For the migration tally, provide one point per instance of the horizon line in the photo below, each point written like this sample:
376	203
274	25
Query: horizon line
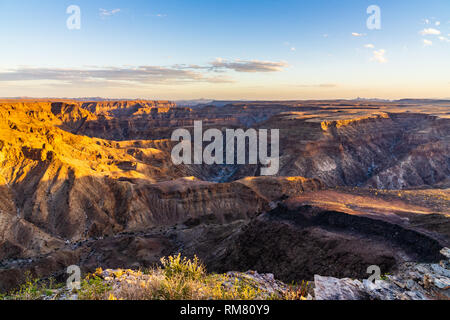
214	99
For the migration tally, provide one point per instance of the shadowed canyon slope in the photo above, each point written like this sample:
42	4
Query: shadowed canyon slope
92	183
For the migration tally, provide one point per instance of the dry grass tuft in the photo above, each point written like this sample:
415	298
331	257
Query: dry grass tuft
177	279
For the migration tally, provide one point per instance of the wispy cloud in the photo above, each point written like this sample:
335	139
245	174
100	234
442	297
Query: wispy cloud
143	75
430	31
356	34
444	39
369	46
248	65
158	15
431	21
320	85
427	43
379	56
106	13
288	44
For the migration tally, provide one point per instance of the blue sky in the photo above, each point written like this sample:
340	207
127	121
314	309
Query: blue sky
247	49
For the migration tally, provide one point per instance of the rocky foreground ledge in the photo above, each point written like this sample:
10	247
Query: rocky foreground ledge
412	281
182	279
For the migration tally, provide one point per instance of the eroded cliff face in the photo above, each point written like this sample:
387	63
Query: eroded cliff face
58	186
383	150
370	147
92	183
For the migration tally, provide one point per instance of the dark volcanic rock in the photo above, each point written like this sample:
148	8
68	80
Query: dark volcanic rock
296	245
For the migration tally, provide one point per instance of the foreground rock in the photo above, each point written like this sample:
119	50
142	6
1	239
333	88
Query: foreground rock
126	284
412	281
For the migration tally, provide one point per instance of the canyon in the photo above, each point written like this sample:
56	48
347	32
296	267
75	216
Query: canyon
92	183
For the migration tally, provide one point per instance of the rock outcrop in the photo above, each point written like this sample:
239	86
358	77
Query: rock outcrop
411	282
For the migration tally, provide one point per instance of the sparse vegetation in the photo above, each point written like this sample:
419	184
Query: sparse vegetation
385	276
93	288
178	278
32	289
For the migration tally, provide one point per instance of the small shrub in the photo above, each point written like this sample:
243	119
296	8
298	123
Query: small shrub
183	267
32	289
385	276
93	288
297	291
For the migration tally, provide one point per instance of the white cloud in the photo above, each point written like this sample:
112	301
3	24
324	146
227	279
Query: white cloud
369	46
427	43
142	75
107	13
438	23
248	65
356	34
288	44
430	31
138	75
379	56
442	38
